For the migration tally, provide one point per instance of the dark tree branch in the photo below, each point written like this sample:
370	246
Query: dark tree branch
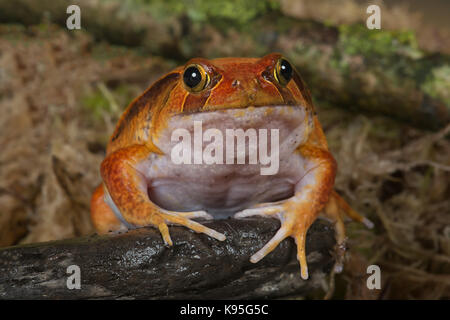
138	265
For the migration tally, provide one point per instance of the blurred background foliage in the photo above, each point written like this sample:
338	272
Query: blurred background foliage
383	98
239	13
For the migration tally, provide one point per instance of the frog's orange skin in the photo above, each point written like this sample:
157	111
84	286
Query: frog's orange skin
141	187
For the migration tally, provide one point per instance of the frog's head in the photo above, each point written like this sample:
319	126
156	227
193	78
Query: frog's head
203	86
223	93
234	83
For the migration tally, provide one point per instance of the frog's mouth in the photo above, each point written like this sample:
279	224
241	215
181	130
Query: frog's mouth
292	122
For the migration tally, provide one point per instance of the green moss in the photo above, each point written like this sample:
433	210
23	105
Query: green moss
338	63
358	39
304	54
98	102
437	84
235	12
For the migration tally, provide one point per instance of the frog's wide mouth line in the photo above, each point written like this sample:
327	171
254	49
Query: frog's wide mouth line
289	122
282	117
248	107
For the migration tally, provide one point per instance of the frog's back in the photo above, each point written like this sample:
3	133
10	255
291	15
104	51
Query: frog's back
135	123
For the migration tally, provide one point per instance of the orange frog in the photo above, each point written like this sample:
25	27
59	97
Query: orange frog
144	186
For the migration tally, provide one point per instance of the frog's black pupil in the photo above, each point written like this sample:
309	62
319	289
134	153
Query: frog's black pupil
192	77
286	70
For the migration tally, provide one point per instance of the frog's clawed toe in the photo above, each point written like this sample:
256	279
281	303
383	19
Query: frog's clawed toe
182	218
369	224
287	229
196	214
264	211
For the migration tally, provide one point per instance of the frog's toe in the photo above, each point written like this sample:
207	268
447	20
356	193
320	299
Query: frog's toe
196	214
337	206
292	225
281	234
181	219
164	230
287	229
300	239
260	211
369	224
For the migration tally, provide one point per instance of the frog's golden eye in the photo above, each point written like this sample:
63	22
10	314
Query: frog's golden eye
195	78
283	71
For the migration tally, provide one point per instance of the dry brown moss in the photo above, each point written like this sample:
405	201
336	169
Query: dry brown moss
400	178
51	143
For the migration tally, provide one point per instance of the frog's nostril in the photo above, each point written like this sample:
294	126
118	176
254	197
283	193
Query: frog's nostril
235	83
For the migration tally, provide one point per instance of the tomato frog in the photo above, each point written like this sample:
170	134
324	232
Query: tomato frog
143	185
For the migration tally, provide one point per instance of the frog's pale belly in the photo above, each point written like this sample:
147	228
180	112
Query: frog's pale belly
222	195
223	189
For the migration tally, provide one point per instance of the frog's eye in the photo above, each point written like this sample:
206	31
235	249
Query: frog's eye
283	71
195	78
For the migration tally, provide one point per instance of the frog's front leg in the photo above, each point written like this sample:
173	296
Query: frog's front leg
297	213
127	187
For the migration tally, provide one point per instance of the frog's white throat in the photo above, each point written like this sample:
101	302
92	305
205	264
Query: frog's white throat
290	121
223	188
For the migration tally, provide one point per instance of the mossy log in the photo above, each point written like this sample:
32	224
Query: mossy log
138	265
346	66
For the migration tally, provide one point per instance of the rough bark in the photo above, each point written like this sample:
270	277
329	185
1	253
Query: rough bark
138	265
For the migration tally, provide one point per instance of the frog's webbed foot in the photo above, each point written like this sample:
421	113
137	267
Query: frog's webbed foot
164	217
292	224
295	222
